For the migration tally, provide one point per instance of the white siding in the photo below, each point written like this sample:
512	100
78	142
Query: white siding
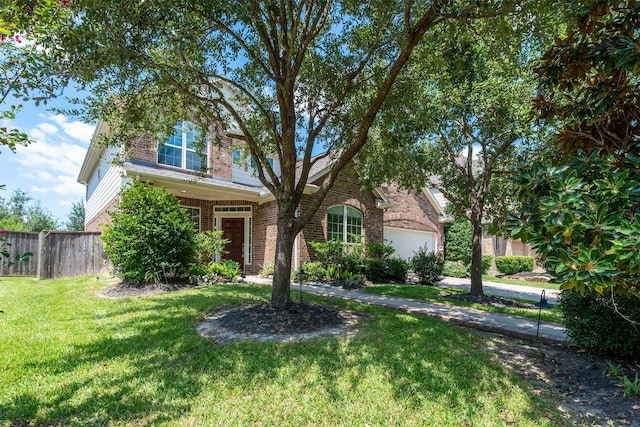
104	184
438	197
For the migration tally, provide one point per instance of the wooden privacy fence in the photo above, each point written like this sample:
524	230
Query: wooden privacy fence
55	254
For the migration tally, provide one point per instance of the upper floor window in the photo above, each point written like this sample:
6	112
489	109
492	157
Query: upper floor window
344	224
238	160
180	151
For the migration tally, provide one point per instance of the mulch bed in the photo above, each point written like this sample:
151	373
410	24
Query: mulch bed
294	319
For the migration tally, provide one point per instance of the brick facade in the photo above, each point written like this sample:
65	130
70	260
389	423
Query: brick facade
412	210
219	154
103	217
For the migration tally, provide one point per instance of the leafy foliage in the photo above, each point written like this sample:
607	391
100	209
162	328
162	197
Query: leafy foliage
31	65
593	322
427	266
22	213
266	270
75	219
588	80
314	271
458	241
454	269
584	222
397	269
209	245
513	264
150	235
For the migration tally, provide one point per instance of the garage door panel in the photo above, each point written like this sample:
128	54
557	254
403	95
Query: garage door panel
408	242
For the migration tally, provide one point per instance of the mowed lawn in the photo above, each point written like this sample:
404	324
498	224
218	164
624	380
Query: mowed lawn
68	357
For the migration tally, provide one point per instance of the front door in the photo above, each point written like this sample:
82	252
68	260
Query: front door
233	229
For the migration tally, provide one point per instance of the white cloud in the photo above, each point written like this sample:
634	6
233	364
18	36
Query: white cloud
75	129
63	185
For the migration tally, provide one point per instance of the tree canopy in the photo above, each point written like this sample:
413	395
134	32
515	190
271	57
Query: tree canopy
291	76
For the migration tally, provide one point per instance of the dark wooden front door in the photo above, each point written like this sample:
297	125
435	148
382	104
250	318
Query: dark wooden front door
233	229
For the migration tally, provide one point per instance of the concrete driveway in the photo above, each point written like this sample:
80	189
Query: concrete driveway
502	290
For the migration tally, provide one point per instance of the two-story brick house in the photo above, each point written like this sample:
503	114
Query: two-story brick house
231	198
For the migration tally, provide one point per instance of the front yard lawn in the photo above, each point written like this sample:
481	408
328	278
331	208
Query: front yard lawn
433	293
68	357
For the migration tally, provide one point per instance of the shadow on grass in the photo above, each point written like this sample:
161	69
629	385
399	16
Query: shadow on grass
146	364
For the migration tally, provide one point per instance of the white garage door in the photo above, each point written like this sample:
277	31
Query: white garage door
407	242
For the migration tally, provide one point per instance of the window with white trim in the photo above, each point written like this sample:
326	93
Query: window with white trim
344	224
194	216
180	149
238	160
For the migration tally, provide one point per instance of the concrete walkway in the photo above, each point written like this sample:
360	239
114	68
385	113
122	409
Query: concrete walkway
503	324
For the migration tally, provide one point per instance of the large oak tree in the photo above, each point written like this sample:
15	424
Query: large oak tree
291	75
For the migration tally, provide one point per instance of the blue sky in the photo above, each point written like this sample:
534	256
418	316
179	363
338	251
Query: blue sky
47	170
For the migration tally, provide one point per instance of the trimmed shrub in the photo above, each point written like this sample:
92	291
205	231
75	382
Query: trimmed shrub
313	271
328	253
454	269
486	263
427	266
514	264
458	241
397	269
593	323
376	269
150	236
353	263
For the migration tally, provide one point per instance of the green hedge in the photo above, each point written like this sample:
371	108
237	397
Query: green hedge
514	264
593	323
454	269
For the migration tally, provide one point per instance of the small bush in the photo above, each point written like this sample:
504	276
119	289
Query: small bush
397	269
514	264
267	269
150	235
313	271
228	269
209	245
376	269
593	323
427	266
353	263
378	250
454	269
486	263
328	253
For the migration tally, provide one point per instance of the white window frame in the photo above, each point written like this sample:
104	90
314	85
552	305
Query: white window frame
345	234
188	209
185	126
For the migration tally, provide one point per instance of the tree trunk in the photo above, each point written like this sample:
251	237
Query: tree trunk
476	256
285	238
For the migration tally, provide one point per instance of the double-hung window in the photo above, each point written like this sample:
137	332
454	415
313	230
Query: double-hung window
180	149
344	224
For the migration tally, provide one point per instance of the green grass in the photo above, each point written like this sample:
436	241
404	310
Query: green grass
541	285
433	293
68	357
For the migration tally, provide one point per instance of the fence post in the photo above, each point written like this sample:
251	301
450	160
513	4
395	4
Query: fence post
43	255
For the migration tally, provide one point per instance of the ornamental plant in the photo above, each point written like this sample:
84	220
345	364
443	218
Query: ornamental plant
151	237
584	221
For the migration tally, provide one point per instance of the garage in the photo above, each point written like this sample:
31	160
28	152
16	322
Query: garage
407	242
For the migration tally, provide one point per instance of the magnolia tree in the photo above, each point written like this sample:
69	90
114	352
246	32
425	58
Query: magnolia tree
292	76
581	210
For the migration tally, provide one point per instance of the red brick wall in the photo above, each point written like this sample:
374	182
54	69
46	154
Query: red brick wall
412	210
103	217
219	154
